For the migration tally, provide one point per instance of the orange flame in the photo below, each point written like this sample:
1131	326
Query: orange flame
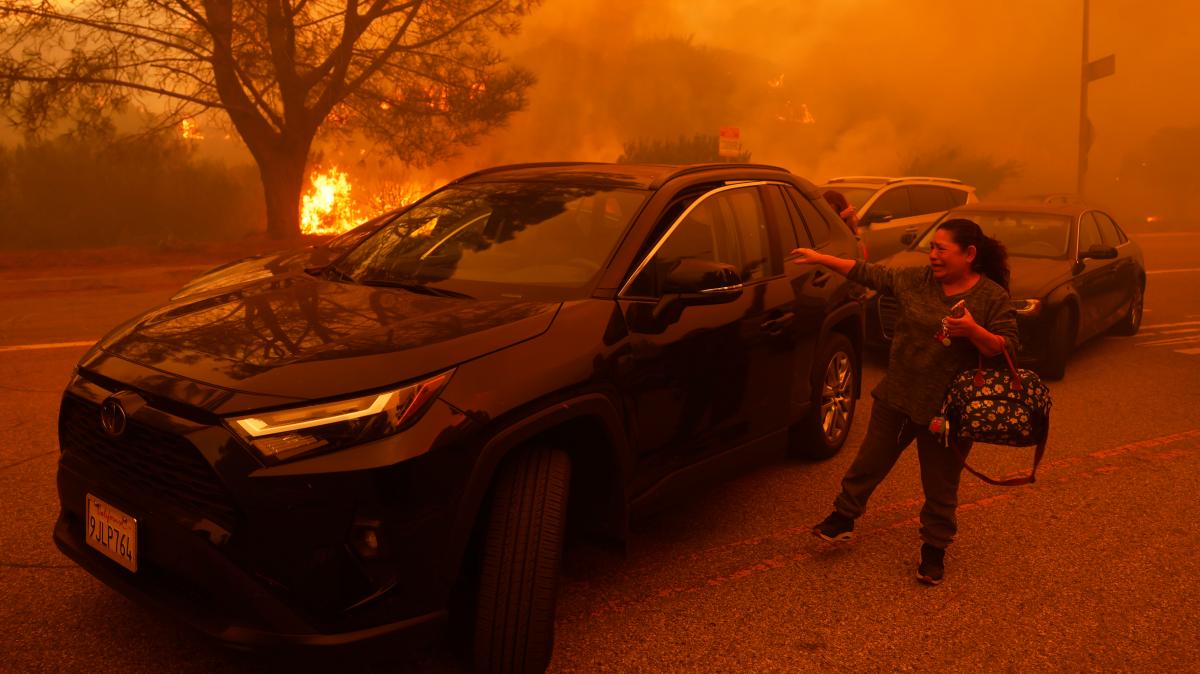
329	207
326	207
189	131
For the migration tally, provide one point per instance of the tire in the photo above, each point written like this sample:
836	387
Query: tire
1132	322
1062	341
835	386
522	550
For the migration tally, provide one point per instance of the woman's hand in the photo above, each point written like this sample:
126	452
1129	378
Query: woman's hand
806	256
810	256
964	326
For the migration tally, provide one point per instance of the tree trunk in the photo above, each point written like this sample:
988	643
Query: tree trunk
283	182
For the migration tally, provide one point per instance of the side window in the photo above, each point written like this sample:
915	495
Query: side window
818	228
712	231
1108	230
892	203
744	210
1089	233
928	199
957	197
782	211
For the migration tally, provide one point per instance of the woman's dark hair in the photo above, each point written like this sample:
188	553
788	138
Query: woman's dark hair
991	257
837	200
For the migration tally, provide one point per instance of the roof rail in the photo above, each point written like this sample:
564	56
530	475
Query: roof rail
859	179
700	168
513	167
928	178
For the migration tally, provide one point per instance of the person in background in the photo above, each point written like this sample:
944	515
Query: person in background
848	214
842	207
964	264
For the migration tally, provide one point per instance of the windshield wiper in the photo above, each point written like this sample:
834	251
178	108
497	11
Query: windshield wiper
414	287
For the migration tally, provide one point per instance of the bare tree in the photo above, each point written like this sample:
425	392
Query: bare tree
417	77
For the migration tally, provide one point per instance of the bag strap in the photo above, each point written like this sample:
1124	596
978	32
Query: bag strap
1016	385
1012	481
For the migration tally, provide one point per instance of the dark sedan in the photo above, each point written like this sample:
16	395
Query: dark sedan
1075	275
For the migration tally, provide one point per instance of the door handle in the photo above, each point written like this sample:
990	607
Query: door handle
778	324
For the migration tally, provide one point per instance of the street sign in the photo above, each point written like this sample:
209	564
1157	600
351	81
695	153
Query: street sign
1101	67
729	143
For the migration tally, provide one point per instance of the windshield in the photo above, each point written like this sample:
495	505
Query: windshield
857	196
514	234
1024	234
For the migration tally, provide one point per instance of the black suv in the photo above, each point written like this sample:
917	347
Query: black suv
337	453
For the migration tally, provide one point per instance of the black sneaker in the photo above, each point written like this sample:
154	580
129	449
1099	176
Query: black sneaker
933	565
837	528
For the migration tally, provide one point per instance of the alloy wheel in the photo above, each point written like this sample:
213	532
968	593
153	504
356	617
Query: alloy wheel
836	397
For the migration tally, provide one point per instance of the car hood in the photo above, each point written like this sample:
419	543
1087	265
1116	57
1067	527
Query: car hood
299	337
1031	277
246	270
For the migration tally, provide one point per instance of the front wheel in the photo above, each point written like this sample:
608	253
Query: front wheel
835	387
518	583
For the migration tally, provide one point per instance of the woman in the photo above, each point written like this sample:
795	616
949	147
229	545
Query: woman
964	264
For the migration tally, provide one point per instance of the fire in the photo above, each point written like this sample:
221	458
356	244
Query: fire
794	116
329	207
189	131
326	208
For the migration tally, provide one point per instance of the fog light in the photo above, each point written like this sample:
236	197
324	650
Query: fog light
365	539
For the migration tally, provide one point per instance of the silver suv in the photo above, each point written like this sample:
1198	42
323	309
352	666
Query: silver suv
890	207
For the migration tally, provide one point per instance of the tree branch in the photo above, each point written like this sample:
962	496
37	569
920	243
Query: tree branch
117	28
116	83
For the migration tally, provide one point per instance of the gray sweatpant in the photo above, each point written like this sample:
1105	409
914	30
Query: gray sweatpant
889	433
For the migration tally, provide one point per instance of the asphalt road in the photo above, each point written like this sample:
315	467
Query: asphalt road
1094	568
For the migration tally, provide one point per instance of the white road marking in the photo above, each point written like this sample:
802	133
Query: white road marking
1195	339
55	345
1157	333
1190	352
1191	270
1168	325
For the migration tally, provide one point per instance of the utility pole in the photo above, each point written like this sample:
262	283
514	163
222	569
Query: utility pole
1089	71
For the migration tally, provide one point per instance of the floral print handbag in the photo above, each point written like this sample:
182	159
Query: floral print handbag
998	407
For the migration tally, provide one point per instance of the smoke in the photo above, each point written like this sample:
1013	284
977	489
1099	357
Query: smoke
850	87
885	84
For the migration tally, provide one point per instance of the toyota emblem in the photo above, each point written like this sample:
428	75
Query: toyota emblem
112	416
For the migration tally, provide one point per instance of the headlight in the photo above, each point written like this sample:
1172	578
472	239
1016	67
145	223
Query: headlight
1027	307
288	433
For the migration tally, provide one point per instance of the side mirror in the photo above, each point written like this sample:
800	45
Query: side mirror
872	218
698	282
1099	251
703	282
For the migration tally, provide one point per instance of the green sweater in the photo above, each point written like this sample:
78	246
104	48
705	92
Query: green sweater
920	368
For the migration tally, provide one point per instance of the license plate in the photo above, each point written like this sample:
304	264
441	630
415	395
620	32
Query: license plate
112	532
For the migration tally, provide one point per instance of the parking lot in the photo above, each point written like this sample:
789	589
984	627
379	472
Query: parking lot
1093	568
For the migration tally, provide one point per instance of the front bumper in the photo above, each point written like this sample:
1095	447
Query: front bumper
251	618
255	559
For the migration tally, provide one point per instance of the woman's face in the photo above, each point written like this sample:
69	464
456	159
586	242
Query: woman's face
948	260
